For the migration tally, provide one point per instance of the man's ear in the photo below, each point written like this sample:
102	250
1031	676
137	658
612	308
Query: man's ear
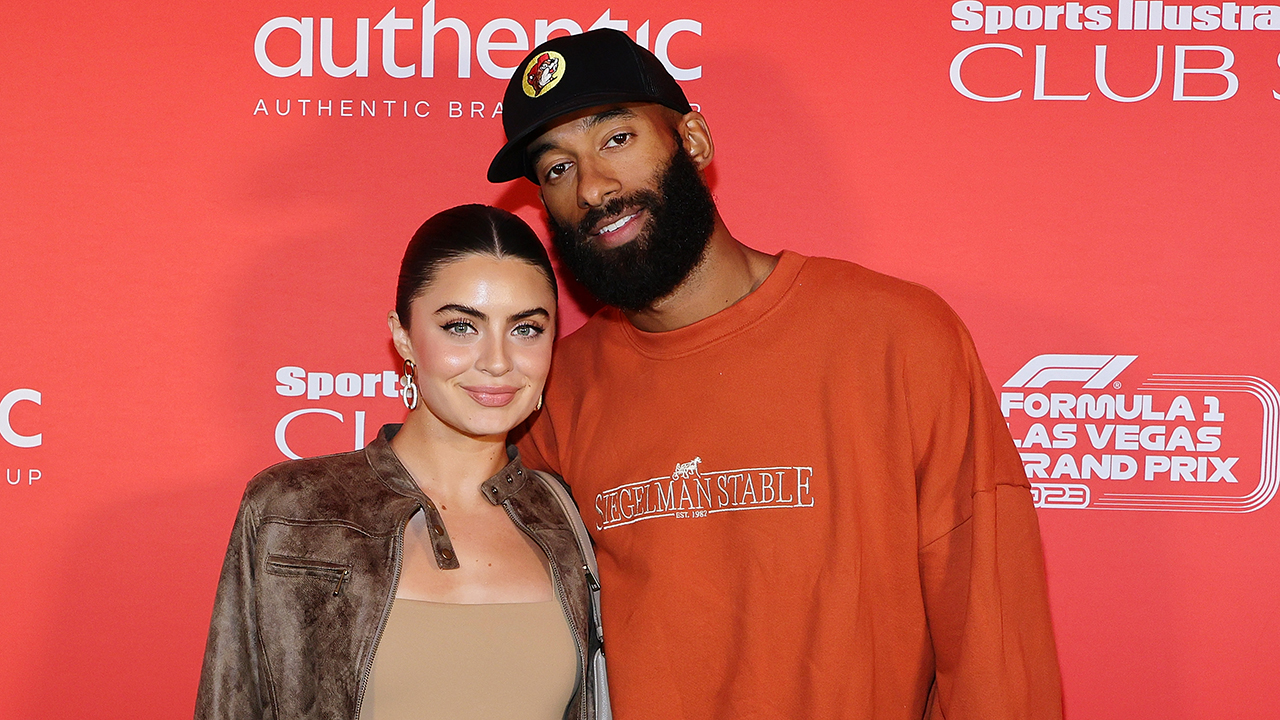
696	136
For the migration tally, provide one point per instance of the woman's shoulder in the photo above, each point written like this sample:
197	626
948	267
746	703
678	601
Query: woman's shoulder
298	485
553	498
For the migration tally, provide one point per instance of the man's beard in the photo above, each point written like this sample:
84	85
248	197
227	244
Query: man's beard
670	245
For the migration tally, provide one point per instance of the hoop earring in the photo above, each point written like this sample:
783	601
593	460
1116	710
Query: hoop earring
539	405
409	384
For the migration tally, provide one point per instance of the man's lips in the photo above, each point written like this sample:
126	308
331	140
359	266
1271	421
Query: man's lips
491	395
619	231
616	224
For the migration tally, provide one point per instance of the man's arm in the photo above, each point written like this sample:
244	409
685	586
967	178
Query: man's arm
981	562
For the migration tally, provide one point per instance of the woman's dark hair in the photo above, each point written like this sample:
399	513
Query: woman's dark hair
450	235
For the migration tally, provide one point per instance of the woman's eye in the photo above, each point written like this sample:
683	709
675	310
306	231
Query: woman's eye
528	331
459	327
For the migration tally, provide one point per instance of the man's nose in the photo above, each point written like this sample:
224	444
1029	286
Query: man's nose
596	184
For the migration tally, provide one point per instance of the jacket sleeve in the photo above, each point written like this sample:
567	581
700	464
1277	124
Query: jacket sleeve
981	562
232	682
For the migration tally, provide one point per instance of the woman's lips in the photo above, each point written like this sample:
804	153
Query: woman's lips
491	395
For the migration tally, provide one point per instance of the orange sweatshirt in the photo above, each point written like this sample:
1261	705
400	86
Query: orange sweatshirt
805	506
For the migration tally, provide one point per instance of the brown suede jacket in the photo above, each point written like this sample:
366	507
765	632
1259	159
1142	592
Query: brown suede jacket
311	571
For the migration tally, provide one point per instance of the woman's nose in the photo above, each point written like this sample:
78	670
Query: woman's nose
494	357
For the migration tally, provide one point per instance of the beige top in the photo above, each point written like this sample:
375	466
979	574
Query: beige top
513	661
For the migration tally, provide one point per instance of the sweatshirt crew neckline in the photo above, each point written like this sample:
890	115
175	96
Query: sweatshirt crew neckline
722	325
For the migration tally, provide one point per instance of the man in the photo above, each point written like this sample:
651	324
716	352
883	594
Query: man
805	500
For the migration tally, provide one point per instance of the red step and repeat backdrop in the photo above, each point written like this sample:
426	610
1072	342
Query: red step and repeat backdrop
204	206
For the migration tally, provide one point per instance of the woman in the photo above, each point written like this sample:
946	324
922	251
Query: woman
429	574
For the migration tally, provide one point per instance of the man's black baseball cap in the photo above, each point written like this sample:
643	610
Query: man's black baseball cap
569	73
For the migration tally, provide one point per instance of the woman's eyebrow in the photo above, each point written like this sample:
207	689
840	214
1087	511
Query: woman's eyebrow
530	313
465	310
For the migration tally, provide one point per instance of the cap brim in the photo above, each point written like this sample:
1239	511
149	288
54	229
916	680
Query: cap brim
509	164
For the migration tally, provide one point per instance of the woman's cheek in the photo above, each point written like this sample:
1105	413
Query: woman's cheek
448	361
536	360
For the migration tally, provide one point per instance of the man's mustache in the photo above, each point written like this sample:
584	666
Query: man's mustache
640	199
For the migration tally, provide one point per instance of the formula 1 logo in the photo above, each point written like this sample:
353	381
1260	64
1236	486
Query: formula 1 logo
1097	371
1173	443
543	73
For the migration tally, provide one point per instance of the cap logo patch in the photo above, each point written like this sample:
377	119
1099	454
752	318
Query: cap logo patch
542	73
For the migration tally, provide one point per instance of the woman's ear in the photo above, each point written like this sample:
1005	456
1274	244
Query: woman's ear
696	136
399	336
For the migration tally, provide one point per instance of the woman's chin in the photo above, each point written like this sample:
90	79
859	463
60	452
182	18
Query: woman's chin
492	424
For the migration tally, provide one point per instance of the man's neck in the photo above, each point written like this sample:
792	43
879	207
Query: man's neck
728	272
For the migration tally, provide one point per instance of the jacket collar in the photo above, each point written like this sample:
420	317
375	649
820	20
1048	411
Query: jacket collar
506	482
387	465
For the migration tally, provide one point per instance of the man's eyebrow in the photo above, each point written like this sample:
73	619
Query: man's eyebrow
453	307
533	312
535	152
593	120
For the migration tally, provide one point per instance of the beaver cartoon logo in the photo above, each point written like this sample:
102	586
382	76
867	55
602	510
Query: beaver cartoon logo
542	73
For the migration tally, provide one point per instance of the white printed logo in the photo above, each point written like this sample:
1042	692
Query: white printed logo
287	46
1141	15
1177	443
422	30
19	475
690	492
11	436
1097	371
295	381
687	470
1200	72
1060	495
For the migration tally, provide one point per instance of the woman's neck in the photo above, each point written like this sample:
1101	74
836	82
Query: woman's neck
448	465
